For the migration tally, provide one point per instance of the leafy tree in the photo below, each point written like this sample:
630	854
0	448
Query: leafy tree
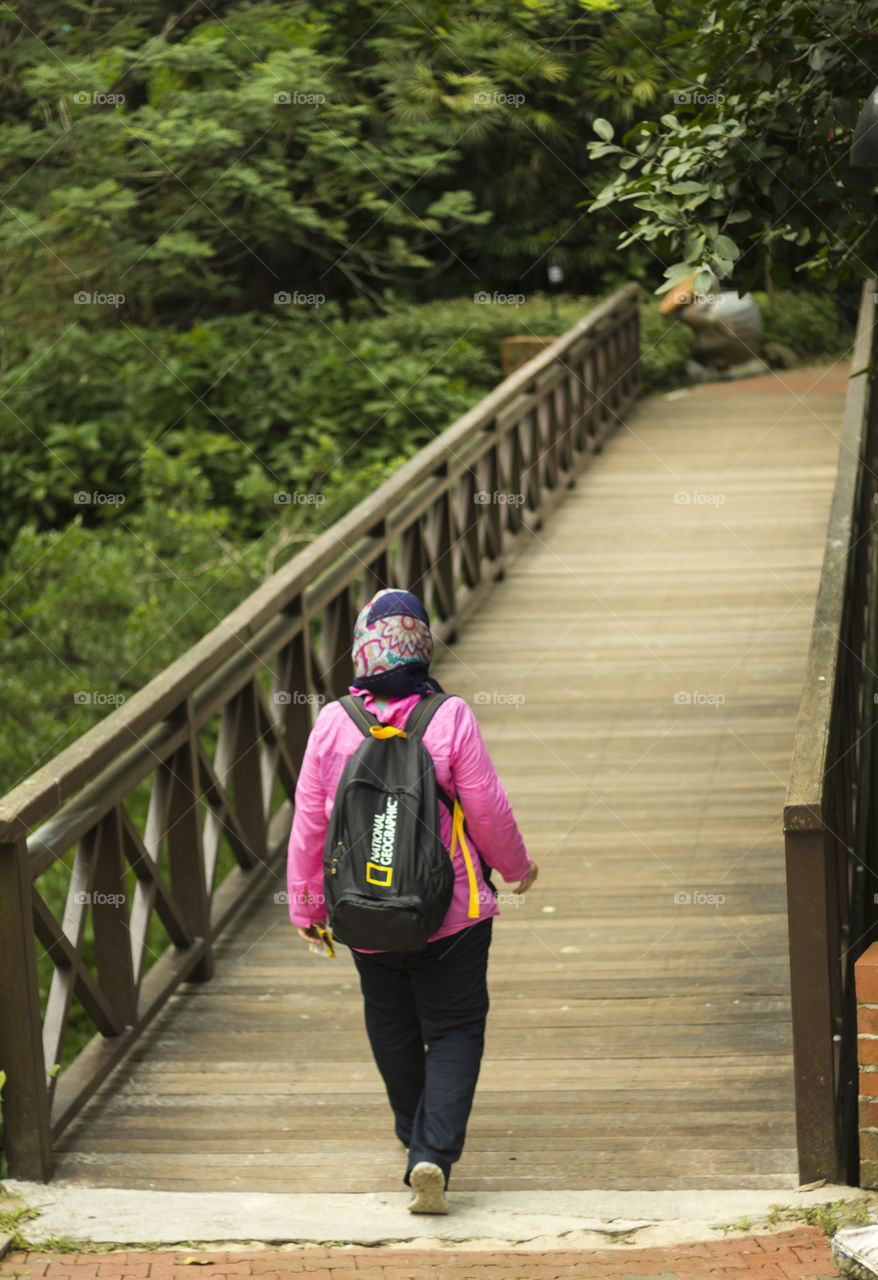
240	166
748	169
520	84
208	159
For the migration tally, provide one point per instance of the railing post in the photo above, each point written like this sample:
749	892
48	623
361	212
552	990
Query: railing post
26	1121
294	679
185	843
636	366
814	1050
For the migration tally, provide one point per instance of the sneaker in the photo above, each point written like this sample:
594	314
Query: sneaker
428	1184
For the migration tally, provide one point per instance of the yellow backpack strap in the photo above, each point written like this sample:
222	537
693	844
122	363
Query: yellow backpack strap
386	731
458	837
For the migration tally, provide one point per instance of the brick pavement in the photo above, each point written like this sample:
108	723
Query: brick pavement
803	1254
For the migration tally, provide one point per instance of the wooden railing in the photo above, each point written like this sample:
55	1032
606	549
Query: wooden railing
216	739
830	815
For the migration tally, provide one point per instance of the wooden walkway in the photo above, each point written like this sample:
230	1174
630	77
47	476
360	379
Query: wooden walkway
637	676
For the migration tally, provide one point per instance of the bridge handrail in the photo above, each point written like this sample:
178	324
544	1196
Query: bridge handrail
425	528
827	814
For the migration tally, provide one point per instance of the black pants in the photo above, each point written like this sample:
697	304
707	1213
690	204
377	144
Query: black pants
436	998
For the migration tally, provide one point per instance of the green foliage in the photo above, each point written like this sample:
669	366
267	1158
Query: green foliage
665	345
296	404
830	1216
745	169
13	1215
808	321
228	156
202	164
92	613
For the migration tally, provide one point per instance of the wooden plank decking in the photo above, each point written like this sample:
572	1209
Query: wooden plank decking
637	676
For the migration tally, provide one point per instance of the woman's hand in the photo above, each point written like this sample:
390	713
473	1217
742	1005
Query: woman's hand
525	884
308	935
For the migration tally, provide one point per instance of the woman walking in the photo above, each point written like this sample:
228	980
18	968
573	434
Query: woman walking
437	996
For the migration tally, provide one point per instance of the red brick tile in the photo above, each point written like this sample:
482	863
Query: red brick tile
789	1255
344	1271
215	1263
866	976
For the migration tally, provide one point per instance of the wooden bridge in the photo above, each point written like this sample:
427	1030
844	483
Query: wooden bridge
625	590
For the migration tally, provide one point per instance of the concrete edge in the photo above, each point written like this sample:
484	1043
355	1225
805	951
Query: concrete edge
477	1221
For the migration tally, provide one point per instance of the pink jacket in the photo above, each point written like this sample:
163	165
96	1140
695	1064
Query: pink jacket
463	768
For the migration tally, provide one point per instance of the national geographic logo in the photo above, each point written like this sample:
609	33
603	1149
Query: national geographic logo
380	869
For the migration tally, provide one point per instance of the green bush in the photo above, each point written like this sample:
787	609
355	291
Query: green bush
306	401
298	401
91	614
665	346
807	321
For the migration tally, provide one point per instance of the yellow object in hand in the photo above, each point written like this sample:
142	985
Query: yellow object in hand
325	941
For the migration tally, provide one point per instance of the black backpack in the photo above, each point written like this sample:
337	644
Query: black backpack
388	878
